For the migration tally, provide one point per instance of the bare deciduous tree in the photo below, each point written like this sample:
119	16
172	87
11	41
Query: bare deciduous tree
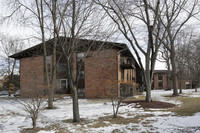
175	16
44	17
9	66
33	106
36	102
188	59
194	63
82	20
183	44
34	14
127	15
165	55
116	103
8	46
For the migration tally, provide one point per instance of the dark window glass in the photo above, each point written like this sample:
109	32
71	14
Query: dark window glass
61	67
159	76
82	76
160	86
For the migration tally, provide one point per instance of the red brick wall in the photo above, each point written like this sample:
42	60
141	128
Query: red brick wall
155	81
164	77
182	84
101	74
164	81
31	75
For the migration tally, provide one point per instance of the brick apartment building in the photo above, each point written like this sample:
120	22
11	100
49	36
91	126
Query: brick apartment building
161	81
112	68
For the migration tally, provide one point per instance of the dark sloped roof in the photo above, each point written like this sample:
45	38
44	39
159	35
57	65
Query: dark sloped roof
160	71
82	45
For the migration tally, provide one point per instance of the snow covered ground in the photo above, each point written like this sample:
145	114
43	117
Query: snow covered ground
13	119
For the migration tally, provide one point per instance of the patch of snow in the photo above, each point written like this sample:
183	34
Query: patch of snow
42	131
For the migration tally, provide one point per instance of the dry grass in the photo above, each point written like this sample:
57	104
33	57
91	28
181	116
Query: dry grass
30	130
56	127
99	100
109	120
189	106
118	120
139	97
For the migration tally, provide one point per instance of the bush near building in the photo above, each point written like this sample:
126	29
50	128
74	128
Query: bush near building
10	84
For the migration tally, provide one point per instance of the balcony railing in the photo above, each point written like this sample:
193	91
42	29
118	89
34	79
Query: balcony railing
127	63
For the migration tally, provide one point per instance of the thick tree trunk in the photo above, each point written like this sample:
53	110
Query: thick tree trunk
148	92
34	122
174	79
147	77
48	86
148	86
55	34
168	72
76	116
180	91
50	97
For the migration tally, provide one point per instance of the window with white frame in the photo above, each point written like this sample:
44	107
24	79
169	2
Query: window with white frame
63	83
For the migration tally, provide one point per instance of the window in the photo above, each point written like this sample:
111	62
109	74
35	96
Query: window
159	76
48	59
187	85
63	84
160	84
61	67
80	56
81	90
122	60
81	75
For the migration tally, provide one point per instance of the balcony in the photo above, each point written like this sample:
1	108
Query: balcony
129	82
127	63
